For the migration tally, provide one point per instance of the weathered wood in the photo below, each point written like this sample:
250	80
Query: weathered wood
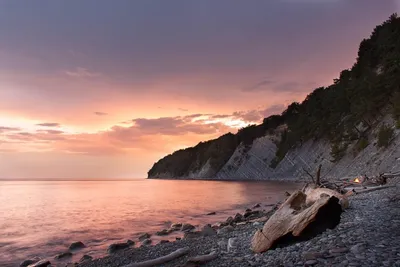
318	177
202	259
313	194
295	218
356	192
161	260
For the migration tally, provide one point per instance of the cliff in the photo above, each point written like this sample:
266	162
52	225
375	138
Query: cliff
348	127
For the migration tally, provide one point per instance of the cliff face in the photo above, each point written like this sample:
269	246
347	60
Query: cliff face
254	163
350	127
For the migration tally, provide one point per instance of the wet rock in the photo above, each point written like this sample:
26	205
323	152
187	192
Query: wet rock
229	220
250	214
130	242
176	226
187	227
41	263
163	232
144	236
248	210
76	245
256	224
25	263
258	205
146	242
238	218
225	230
63	255
85	258
208	231
117	246
211	213
178	238
164	241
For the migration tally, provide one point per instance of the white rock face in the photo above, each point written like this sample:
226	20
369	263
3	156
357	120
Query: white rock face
253	163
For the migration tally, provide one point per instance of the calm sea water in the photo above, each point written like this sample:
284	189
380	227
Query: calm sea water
42	218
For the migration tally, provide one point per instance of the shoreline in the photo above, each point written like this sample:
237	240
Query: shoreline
371	224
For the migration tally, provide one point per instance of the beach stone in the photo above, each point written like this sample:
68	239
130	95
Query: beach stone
310	262
144	236
164	241
223	244
256	206
232	243
312	255
256	224
357	248
130	242
86	258
187	227
229	220
117	246
146	242
208	230
76	245
211	213
338	250
225	230
163	232
63	255
191	235
41	263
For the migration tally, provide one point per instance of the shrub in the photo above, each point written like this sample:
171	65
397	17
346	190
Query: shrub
385	135
398	124
338	150
362	144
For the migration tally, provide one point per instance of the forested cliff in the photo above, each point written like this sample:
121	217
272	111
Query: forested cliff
349	127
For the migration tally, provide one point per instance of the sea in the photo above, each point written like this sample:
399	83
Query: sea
42	218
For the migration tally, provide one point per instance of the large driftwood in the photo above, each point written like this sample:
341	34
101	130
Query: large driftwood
315	193
298	219
161	260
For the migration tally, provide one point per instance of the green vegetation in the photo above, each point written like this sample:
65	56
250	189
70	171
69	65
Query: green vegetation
348	108
342	112
361	144
385	135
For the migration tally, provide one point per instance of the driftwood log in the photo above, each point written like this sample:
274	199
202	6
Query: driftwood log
161	260
202	259
300	219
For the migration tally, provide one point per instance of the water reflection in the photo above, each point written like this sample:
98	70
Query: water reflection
43	218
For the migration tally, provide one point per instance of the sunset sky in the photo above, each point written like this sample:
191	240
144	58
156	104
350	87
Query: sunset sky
103	89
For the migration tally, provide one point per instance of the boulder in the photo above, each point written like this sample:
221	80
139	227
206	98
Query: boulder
176	226
225	230
207	230
63	255
212	213
163	232
144	236
258	205
85	258
118	246
41	263
28	262
238	218
187	227
229	220
146	242
130	242
76	245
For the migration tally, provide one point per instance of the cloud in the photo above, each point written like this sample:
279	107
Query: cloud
260	114
260	86
80	72
9	129
49	124
99	113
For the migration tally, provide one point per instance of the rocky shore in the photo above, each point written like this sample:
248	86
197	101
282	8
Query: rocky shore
368	235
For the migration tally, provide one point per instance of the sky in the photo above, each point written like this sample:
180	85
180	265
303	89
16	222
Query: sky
103	89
